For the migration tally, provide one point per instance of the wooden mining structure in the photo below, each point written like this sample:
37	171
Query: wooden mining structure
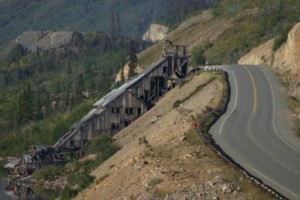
122	106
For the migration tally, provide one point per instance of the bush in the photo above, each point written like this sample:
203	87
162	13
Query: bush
177	103
49	173
101	144
198	57
16	53
143	140
68	193
80	177
154	182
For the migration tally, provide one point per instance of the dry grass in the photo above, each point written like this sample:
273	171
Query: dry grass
194	32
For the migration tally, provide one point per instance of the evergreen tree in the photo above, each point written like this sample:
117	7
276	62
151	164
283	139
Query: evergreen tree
79	88
16	53
28	104
103	80
69	70
119	29
20	109
133	60
47	105
25	111
112	26
38	111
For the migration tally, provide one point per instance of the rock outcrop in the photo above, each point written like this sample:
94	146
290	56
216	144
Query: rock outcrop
45	40
34	40
125	73
156	32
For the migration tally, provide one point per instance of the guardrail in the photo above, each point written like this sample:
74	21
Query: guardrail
209	119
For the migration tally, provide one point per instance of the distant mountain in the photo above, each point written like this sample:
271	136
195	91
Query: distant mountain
127	17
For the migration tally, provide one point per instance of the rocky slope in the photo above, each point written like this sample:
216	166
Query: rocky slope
155	32
194	32
44	40
157	159
162	157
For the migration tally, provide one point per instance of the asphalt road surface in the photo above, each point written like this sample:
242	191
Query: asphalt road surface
257	129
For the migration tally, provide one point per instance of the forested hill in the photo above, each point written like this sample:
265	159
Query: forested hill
133	16
64	55
43	93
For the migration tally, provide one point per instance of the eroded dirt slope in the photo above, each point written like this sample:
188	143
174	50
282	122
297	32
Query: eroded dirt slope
161	158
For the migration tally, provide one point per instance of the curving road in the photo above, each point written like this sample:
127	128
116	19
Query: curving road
257	130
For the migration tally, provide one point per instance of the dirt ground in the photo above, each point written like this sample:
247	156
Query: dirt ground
157	161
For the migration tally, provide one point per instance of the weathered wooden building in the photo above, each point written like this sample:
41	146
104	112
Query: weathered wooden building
28	163
122	106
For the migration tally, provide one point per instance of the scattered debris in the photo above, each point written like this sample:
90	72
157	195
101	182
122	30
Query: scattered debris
39	157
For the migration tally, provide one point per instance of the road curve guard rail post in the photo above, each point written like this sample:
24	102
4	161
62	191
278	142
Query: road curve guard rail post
207	120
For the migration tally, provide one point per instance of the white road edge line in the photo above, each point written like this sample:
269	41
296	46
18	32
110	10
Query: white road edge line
261	174
236	96
274	111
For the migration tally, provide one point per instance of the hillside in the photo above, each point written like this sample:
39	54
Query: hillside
127	18
231	29
160	150
49	80
173	162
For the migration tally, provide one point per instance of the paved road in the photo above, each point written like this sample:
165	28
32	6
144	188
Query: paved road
256	131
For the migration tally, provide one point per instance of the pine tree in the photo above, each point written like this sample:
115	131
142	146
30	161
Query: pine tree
119	29
103	80
112	26
25	112
133	60
38	112
28	103
69	70
79	88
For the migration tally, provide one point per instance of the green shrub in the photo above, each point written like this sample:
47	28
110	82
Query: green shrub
68	193
80	177
177	103
16	53
154	182
198	57
100	144
143	140
184	82
49	173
